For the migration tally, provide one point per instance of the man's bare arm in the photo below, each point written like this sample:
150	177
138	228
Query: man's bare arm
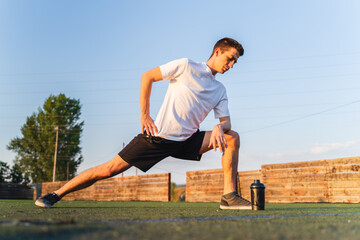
147	80
217	137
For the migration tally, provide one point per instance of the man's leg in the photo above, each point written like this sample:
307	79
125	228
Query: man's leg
84	179
230	158
88	177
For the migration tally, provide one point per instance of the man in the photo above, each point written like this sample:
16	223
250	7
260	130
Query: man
193	92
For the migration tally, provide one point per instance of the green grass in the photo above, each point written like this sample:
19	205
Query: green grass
21	219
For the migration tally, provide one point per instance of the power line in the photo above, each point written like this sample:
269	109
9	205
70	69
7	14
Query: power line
232	109
298	92
282	116
294	79
146	68
299	68
79	91
252	95
69	72
302	57
137	88
71	81
172	171
135	114
76	131
284	106
300	118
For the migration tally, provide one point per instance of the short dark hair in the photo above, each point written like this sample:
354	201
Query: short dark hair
226	43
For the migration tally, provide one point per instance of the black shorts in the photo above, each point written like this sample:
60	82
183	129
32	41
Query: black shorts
144	151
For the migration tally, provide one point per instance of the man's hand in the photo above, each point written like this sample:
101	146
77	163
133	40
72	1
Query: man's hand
147	80
148	124
217	138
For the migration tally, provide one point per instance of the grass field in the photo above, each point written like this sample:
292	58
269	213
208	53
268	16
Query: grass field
21	219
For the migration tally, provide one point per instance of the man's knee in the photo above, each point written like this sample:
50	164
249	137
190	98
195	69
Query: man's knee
100	172
107	172
232	139
103	171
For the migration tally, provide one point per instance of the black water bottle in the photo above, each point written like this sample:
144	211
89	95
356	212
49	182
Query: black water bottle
257	195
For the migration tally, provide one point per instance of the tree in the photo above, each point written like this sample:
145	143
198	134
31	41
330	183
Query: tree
35	149
4	172
16	175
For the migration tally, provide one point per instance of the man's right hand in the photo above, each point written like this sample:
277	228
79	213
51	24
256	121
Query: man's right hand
147	80
147	123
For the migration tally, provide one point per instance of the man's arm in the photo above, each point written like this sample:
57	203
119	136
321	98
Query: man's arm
147	80
217	135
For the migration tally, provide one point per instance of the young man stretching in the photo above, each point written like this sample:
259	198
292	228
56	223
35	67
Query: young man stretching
193	92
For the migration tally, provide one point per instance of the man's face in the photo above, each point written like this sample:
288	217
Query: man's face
225	60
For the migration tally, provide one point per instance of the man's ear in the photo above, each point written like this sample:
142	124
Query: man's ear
217	51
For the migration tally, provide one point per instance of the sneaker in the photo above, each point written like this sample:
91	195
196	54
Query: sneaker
47	200
234	201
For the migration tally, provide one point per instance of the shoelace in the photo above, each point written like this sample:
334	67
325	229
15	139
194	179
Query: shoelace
242	199
52	197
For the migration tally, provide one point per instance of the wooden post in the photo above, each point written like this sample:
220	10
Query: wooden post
169	184
56	128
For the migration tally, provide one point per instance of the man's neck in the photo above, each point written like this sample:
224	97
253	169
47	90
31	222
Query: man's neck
209	64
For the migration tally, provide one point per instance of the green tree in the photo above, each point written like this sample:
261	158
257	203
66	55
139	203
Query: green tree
4	172
172	192
16	175
35	149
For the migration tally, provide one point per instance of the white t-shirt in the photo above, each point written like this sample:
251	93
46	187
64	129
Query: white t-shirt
192	93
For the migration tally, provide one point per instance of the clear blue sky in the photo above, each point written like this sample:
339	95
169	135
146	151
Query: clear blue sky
294	95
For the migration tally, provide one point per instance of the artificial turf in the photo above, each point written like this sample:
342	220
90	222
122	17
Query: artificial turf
20	219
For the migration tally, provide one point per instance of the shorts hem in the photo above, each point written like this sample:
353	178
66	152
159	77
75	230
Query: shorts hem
134	165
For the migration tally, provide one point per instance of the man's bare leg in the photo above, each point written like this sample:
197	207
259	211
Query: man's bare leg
230	158
88	177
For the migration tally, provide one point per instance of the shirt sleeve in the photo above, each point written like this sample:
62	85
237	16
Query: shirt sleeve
222	109
173	69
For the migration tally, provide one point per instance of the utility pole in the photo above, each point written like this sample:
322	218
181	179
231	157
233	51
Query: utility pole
122	174
67	171
56	128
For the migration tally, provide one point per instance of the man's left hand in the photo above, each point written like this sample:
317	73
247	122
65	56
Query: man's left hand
217	138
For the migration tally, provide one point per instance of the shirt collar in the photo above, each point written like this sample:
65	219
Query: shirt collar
208	70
